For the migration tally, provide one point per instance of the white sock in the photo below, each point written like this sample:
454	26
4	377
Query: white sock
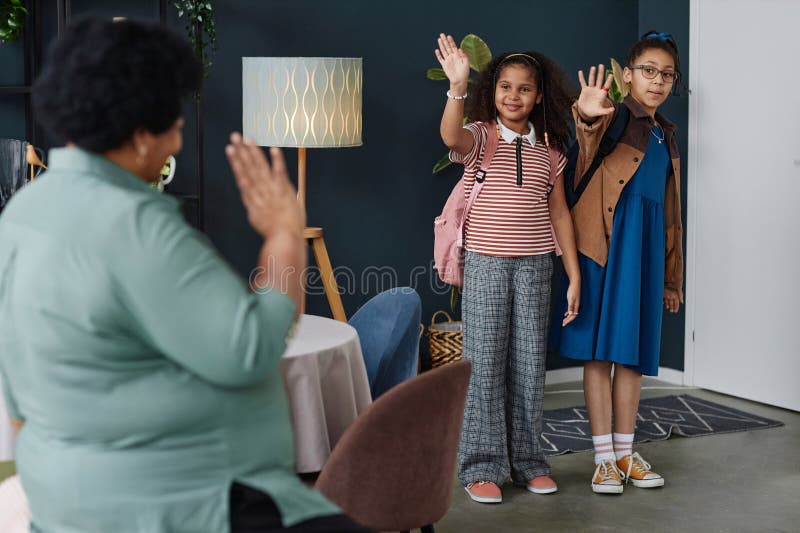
603	448
623	444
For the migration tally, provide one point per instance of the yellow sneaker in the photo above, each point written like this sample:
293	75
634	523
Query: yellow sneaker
607	478
636	470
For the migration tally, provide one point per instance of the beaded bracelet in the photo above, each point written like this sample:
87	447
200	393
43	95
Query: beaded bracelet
453	97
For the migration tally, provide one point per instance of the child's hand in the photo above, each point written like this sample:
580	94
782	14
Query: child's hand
454	61
672	300
593	101
573	303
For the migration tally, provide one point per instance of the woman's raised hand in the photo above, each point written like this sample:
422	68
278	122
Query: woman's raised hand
454	61
268	196
593	101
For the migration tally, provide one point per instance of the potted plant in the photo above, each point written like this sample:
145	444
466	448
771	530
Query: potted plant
12	20
199	28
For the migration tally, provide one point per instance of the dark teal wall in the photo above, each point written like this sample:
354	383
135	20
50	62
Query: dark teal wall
673	17
12	107
377	202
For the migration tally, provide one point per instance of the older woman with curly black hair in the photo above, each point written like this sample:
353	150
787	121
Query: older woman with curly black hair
141	370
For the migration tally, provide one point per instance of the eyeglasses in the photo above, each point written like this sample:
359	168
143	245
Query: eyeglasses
669	76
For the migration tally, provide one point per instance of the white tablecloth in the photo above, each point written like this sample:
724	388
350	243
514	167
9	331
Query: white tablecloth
15	514
326	382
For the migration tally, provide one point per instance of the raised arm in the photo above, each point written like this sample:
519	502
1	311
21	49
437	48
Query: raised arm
593	113
273	211
188	304
455	64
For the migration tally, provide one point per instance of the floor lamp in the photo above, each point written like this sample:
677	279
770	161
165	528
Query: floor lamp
304	102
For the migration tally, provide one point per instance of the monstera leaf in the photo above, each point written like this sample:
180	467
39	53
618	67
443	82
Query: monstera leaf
455	292
436	74
444	162
619	89
477	51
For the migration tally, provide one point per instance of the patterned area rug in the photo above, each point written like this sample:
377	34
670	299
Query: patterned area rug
567	430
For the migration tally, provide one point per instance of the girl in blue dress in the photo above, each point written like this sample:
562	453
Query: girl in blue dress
628	228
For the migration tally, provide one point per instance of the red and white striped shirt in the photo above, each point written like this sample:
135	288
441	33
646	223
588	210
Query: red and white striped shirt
508	220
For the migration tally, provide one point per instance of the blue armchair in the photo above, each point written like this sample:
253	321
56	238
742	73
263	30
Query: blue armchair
388	328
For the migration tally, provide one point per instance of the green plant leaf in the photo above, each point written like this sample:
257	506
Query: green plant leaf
455	292
614	94
619	88
477	51
442	163
199	27
436	74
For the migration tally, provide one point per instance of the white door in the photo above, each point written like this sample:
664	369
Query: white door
743	232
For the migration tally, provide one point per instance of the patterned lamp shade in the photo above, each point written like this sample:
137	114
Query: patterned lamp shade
309	102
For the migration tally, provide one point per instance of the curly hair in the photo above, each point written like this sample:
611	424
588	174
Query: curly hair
660	41
551	79
104	80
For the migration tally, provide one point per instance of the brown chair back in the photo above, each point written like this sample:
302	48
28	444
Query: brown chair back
393	469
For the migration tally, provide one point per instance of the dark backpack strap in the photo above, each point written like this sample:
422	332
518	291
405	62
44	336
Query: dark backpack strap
614	132
607	144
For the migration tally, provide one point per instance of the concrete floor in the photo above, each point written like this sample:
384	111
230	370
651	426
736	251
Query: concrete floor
735	482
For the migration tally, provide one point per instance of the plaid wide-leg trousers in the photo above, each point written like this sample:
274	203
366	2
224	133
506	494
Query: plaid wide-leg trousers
505	313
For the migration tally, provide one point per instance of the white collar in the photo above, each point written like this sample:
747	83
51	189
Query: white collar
510	135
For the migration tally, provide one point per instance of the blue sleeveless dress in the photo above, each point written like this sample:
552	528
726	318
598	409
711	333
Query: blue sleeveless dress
622	304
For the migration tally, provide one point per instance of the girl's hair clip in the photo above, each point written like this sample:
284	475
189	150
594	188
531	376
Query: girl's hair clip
664	37
660	36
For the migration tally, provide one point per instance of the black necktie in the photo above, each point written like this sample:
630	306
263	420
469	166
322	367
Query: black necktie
519	161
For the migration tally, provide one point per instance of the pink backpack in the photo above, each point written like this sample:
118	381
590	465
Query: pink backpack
448	228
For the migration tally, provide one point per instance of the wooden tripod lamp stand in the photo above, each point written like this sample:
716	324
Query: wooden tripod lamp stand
304	102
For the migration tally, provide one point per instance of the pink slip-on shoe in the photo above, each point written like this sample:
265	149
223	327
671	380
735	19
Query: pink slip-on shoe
542	485
484	492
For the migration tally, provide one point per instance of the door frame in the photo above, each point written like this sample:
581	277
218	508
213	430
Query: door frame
692	163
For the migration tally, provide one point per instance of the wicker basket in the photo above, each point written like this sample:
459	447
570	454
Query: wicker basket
445	340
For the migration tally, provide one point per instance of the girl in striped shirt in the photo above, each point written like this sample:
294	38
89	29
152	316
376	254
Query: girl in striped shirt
510	237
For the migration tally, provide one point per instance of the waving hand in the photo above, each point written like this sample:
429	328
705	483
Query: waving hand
593	101
454	61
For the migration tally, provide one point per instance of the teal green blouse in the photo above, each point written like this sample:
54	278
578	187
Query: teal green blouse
145	371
